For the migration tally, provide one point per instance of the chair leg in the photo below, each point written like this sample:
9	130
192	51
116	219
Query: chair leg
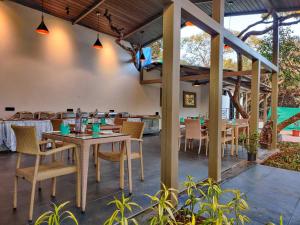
95	147
199	150
112	147
122	170
53	187
32	200
206	147
223	149
78	179
98	172
185	140
142	163
15	192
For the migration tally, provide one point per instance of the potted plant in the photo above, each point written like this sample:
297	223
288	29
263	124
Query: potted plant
252	146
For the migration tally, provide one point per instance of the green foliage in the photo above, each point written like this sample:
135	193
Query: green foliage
280	221
253	143
193	199
56	216
165	202
219	213
196	49
118	215
289	61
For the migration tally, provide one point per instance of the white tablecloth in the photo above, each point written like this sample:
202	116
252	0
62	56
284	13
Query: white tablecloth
9	136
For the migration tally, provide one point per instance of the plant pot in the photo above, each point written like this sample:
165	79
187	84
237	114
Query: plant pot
251	157
296	133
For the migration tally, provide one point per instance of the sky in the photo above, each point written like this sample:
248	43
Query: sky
236	23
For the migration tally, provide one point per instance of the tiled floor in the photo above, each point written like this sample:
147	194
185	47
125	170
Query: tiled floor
271	192
98	194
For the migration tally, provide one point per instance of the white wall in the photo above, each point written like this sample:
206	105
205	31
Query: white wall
62	70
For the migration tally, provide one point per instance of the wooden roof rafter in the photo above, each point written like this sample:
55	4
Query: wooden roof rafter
87	11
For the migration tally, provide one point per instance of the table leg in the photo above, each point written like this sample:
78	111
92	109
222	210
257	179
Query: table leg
85	150
128	148
236	140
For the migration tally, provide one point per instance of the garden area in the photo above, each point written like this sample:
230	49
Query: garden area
288	157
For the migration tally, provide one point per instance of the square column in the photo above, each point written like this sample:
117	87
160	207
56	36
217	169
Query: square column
215	94
170	95
255	84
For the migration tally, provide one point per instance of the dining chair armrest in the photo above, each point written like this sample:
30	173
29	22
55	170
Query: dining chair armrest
136	139
45	142
60	149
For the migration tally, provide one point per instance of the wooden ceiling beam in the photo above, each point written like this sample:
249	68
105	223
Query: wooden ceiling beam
87	11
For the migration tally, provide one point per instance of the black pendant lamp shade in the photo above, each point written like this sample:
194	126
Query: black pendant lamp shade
42	28
142	58
98	44
196	83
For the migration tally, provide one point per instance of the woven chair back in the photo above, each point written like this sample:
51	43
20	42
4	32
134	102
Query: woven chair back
26	139
134	129
192	129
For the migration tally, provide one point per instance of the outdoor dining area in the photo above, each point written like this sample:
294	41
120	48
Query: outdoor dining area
81	121
83	143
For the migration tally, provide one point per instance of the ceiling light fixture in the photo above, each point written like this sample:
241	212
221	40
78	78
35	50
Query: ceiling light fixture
42	28
196	83
98	44
142	56
189	24
230	3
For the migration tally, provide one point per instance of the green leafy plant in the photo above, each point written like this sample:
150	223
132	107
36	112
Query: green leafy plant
280	221
56	216
193	199
165	202
253	143
213	211
118	215
239	204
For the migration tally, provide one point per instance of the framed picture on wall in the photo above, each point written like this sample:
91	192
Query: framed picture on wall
189	99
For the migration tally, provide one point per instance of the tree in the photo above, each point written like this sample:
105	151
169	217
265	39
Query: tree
196	50
289	76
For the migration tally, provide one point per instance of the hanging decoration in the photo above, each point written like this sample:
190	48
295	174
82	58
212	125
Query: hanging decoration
132	49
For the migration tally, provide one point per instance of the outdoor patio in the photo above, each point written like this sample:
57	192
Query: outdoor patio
129	88
99	194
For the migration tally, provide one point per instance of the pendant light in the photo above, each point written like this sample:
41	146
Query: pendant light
42	28
230	3
142	56
98	44
189	24
196	83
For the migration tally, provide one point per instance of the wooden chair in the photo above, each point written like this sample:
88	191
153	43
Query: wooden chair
56	127
193	131
119	121
27	144
135	130
227	136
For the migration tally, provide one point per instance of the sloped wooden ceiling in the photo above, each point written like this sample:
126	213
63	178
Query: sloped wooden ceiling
145	14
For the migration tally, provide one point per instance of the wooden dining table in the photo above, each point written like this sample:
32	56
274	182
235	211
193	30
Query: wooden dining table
84	143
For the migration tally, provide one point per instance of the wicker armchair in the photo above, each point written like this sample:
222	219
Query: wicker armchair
27	144
135	130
